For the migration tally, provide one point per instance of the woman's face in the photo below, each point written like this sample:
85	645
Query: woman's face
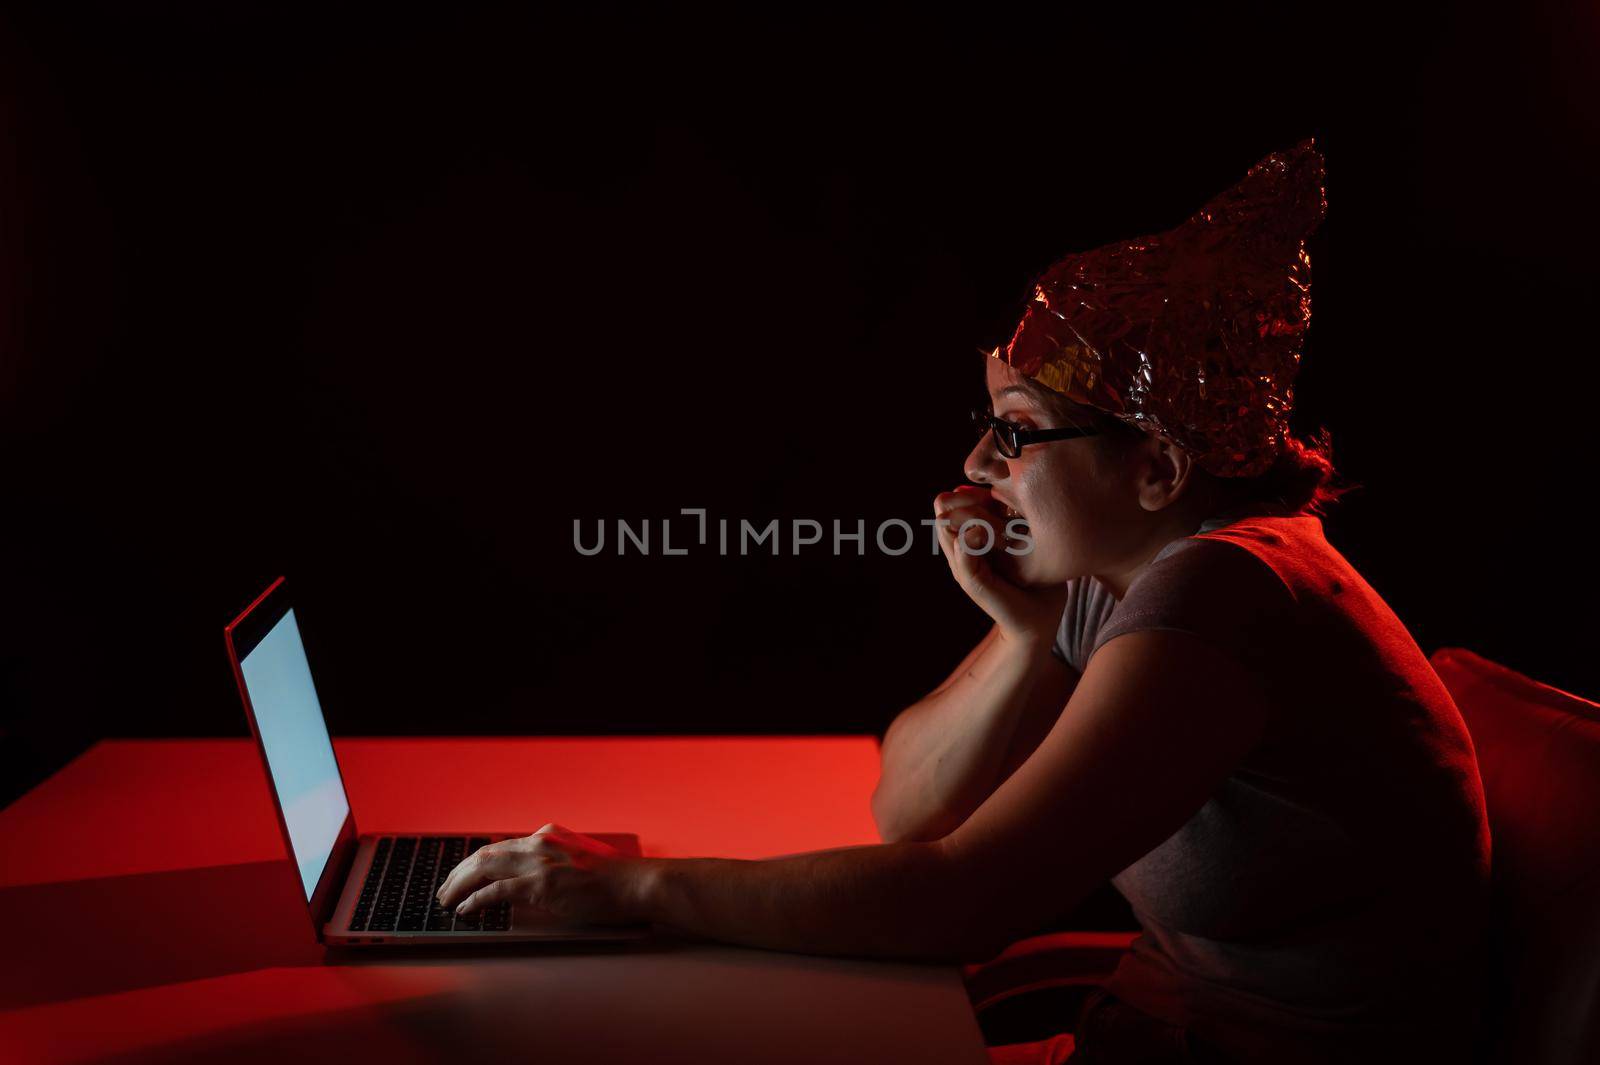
1078	506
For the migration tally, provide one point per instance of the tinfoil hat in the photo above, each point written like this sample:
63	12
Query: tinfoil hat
1194	333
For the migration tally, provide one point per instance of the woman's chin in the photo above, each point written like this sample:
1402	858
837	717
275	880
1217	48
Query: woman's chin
1018	569
1032	570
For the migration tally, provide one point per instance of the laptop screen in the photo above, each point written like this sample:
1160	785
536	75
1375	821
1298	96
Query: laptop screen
299	752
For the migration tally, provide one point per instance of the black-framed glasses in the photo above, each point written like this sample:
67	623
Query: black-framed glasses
1010	438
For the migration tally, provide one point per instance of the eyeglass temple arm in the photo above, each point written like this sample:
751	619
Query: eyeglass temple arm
1027	435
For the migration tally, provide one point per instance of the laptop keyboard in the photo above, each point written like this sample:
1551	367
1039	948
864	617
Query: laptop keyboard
399	892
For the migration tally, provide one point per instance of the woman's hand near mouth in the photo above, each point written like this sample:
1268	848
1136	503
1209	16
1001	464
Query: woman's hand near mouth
1024	614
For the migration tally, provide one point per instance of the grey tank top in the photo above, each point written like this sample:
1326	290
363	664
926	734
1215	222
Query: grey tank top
1089	607
1327	902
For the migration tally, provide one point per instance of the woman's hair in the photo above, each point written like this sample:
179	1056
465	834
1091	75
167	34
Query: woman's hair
1301	480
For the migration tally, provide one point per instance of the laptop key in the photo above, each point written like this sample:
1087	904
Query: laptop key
400	892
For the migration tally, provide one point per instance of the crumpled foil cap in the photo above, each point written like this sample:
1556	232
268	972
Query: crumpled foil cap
1194	333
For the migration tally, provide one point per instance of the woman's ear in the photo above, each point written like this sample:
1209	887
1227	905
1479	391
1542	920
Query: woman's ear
1164	471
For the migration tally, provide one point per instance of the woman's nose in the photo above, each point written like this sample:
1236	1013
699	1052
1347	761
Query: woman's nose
983	464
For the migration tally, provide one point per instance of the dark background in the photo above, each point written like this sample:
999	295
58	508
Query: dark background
387	302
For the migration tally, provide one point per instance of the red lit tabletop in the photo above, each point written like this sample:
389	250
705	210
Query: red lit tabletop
150	922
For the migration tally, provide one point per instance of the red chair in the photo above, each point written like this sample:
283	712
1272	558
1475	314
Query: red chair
1539	755
1538	752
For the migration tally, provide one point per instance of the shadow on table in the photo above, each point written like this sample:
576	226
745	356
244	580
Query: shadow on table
80	938
99	937
719	1003
660	942
386	1032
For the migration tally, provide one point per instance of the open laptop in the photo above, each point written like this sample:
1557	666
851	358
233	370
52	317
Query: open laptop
362	890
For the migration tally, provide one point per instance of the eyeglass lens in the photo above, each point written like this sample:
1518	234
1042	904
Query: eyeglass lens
984	421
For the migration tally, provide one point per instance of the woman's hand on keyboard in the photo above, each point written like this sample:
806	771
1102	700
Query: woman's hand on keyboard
556	869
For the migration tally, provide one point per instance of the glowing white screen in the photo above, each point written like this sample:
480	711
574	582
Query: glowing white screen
299	752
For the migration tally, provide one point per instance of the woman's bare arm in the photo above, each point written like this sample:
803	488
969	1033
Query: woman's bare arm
943	755
946	753
1158	720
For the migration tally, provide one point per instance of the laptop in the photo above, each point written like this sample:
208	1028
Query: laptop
363	890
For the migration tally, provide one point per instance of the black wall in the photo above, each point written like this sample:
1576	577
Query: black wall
387	302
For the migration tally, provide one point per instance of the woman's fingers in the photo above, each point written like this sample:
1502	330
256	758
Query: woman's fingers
980	531
505	859
973	559
964	507
456	885
513	889
451	878
494	862
974	498
959	515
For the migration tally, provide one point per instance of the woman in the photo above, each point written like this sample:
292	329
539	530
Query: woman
1185	689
